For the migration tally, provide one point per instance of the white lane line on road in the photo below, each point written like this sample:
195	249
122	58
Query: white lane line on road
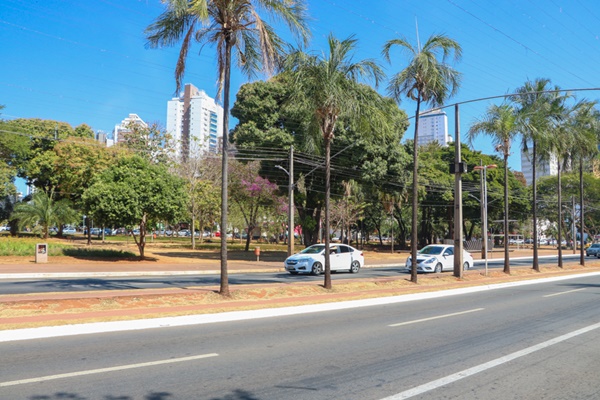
488	365
104	370
568	291
438	317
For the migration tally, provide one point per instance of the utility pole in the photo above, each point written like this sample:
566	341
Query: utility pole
291	205
574	228
484	206
290	174
459	168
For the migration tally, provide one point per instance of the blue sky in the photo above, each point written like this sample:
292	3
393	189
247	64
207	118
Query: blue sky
86	61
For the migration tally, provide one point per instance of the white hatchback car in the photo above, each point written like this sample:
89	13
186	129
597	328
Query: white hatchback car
311	260
438	258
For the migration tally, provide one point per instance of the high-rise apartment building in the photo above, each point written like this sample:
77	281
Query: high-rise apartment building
544	167
433	127
194	120
124	127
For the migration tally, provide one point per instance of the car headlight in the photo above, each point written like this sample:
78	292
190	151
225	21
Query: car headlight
429	261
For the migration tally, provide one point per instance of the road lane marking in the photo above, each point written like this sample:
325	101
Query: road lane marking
438	317
488	365
104	370
568	291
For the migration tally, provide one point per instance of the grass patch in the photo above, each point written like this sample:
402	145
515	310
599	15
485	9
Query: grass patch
26	247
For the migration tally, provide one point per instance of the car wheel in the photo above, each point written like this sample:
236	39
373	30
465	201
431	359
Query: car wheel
354	267
294	272
438	268
466	266
317	268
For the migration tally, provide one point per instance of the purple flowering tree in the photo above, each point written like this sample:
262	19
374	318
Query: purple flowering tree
256	197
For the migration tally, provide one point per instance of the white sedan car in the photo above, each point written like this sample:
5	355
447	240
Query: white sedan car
311	260
438	258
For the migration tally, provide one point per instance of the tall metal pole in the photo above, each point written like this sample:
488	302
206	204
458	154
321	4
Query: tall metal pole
458	214
482	204
291	205
574	228
485	227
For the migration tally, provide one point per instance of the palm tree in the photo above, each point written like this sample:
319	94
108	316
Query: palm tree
585	124
558	147
500	123
328	85
429	80
236	28
534	119
44	211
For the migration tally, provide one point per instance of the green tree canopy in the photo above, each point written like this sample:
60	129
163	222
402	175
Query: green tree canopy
133	192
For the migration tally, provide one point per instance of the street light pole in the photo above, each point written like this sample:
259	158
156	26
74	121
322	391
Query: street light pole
484	203
290	249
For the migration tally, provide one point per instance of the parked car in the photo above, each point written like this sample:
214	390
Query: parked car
593	250
438	258
311	260
69	230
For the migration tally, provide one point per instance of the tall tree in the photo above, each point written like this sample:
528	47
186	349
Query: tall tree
586	126
328	86
428	80
559	149
132	192
535	117
268	121
236	28
500	123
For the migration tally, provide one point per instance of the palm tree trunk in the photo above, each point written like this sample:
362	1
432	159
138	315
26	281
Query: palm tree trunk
560	260
224	287
506	255
581	215
536	264
415	201
327	282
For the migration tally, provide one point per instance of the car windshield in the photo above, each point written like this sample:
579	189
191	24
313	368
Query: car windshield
431	250
313	249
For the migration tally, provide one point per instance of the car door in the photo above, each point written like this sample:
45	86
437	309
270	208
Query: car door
448	257
344	257
334	257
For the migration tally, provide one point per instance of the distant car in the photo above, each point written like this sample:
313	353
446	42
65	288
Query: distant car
593	250
69	231
438	258
311	260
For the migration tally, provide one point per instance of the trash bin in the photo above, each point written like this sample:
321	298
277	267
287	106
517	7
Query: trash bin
41	253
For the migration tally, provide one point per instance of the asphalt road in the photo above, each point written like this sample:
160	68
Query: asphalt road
539	341
47	285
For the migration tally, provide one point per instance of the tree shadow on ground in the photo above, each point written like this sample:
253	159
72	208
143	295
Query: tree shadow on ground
107	255
278	256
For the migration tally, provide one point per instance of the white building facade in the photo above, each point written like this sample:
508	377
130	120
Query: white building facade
543	168
195	122
433	127
124	128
